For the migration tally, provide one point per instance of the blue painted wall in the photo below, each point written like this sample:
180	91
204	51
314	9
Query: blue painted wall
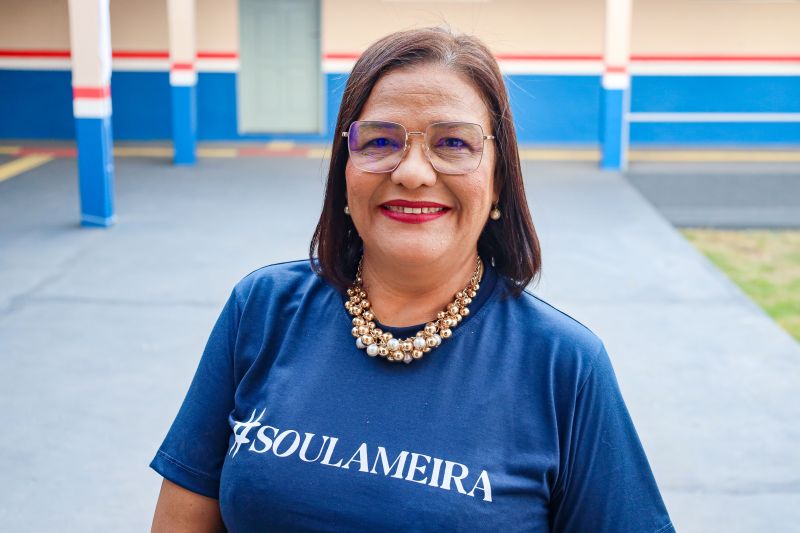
36	104
555	109
334	84
731	94
548	109
731	134
141	105
216	105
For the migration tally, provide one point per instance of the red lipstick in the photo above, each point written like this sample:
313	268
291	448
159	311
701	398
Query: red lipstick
412	212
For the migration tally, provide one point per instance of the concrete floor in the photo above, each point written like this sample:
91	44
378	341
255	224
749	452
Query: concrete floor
722	195
101	330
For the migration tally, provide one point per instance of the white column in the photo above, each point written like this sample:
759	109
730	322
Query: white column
616	84
183	79
90	42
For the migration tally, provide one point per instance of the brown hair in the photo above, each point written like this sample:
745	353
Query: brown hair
511	242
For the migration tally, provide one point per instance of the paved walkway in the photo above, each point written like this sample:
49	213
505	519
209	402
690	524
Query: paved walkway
722	194
100	332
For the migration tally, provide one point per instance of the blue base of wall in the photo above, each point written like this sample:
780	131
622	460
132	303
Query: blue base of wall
142	107
555	109
95	171
548	109
36	104
723	133
729	94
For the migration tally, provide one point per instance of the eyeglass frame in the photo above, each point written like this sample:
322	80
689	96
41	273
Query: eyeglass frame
425	146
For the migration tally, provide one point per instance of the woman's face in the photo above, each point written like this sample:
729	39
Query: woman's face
416	97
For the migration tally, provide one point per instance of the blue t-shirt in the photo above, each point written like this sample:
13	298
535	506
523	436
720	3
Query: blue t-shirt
515	423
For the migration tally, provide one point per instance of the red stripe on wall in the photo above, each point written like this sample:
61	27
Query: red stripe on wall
217	55
91	92
335	55
770	59
596	57
548	57
139	54
34	53
118	54
504	57
162	54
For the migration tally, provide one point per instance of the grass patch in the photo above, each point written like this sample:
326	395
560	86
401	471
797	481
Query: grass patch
765	264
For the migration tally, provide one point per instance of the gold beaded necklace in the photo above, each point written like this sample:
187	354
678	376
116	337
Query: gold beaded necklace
378	342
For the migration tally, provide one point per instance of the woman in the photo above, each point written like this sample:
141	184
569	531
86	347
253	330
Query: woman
506	414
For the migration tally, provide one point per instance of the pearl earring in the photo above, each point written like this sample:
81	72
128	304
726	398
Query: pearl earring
495	213
347	210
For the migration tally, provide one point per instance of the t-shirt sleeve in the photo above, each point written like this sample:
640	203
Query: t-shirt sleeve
195	446
605	483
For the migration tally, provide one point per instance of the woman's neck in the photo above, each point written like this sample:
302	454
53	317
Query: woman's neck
406	294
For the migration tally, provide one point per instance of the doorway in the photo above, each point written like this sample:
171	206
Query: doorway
279	66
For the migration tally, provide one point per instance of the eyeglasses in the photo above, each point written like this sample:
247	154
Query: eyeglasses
451	147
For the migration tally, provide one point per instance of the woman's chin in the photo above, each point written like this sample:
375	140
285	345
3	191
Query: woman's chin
409	251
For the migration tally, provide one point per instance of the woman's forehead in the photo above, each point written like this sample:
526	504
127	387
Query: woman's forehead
426	93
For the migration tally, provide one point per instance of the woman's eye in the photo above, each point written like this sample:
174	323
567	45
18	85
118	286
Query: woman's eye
380	142
452	142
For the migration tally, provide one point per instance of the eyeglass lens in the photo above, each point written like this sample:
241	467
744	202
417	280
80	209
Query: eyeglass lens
452	147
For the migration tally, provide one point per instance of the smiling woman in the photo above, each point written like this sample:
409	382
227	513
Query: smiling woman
410	82
510	416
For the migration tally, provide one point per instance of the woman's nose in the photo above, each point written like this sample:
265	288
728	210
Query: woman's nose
415	169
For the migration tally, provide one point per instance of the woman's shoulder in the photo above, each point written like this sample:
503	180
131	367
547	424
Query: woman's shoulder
546	320
552	331
289	277
283	271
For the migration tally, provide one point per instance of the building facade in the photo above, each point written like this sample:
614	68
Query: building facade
702	73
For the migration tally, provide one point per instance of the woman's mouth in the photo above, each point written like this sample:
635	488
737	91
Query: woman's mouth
413	212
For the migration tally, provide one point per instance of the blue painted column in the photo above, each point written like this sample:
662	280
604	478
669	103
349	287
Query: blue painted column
90	50
184	115
614	125
183	79
615	100
95	162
